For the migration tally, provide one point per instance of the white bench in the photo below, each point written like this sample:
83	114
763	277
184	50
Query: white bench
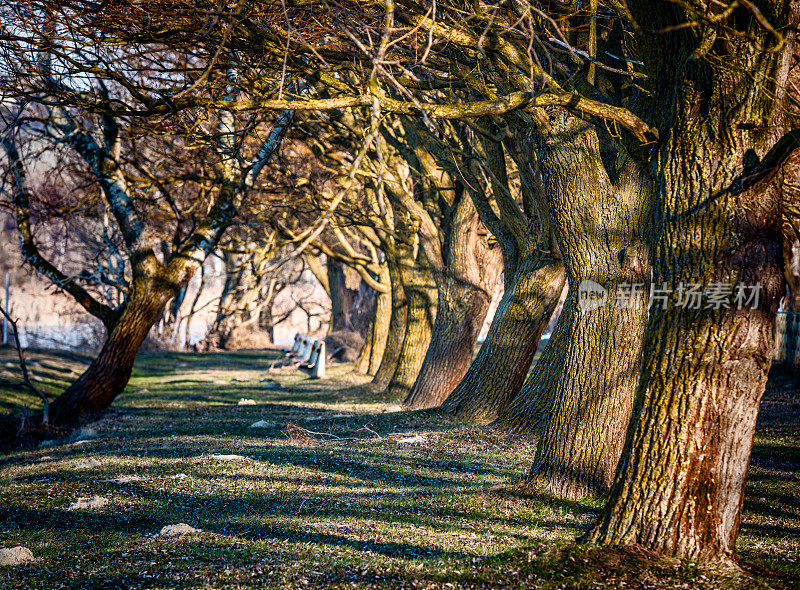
315	365
309	355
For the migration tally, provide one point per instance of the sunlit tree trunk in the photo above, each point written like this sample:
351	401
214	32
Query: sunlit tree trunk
679	490
465	285
107	376
396	331
680	483
420	293
371	355
504	359
579	395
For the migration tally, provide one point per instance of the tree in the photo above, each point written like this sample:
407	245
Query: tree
533	279
720	100
578	397
106	143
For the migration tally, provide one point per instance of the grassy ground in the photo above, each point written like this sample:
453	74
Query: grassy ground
328	494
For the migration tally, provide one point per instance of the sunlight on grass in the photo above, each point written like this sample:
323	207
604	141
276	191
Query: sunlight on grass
336	499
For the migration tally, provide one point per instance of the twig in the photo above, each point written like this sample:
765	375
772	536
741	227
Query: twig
26	380
368	429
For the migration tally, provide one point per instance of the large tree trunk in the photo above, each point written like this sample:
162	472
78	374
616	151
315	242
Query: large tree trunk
109	373
397	330
578	397
421	296
504	359
679	488
680	484
377	334
465	286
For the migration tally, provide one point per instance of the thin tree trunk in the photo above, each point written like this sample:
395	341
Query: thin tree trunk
421	296
396	331
496	375
371	354
341	297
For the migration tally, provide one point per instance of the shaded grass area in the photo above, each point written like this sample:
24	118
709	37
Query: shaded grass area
328	494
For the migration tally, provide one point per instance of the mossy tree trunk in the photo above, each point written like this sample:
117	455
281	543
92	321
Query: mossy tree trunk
680	484
533	276
398	318
579	395
496	375
465	283
421	299
372	354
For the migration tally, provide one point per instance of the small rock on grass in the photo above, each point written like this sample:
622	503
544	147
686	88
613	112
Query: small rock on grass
86	433
179	476
127	479
261	424
227	458
246	402
86	464
411	440
89	503
16	556
177	530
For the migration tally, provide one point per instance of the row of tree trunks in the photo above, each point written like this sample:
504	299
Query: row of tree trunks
498	371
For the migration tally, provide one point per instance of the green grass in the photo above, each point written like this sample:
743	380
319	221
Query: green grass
346	507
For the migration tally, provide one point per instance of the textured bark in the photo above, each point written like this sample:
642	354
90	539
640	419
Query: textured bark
109	373
464	293
680	488
460	312
496	375
421	295
680	484
342	298
371	355
396	331
578	397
